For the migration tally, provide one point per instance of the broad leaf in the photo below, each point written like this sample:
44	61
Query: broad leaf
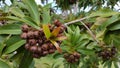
104	13
16	11
33	10
23	20
4	65
26	60
115	26
46	31
15	46
10	29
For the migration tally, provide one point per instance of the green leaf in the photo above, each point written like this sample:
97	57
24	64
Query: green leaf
16	11
46	31
15	46
115	26
1	48
10	29
33	10
46	16
23	20
110	21
26	60
103	13
86	51
4	65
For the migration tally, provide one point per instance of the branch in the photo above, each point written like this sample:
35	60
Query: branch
74	21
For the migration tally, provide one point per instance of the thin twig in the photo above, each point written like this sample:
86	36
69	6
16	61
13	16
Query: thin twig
90	32
72	22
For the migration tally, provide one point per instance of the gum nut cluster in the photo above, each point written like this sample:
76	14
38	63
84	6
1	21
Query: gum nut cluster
107	53
36	41
72	58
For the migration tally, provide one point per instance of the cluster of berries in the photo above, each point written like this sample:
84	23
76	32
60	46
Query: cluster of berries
107	53
36	41
72	58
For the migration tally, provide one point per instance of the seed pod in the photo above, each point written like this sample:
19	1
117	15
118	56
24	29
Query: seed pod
36	55
44	47
72	57
51	46
30	34
41	33
57	23
77	55
51	51
66	55
24	36
36	34
44	53
27	46
39	50
40	42
25	28
32	42
33	49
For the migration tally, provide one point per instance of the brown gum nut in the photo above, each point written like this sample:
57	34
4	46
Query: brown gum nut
77	55
51	51
45	53
25	28
72	57
36	34
30	34
51	46
45	47
33	49
27	46
40	42
66	55
32	41
39	50
24	36
35	55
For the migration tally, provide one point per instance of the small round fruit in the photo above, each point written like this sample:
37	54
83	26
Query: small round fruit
44	47
27	46
33	49
36	34
35	55
30	34
51	51
39	50
44	53
25	28
24	36
32	41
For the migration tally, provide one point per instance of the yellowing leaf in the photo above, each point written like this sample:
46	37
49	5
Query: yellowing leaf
46	31
55	32
57	46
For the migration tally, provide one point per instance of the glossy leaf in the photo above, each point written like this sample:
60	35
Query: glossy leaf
10	29
33	10
46	31
115	26
15	46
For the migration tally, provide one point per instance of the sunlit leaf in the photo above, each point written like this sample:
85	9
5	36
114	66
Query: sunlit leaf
16	11
61	38
46	31
33	10
10	29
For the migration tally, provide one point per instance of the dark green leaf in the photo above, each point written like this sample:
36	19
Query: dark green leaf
10	29
26	60
15	46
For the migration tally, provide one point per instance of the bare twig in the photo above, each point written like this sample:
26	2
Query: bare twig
72	22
